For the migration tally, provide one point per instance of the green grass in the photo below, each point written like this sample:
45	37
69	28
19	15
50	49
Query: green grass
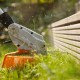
55	66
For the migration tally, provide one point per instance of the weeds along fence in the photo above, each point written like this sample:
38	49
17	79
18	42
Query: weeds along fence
65	34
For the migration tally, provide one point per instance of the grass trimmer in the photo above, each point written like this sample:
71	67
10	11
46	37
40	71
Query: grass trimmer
27	41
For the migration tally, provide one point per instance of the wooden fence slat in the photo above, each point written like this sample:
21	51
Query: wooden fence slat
68	32
70	37
69	27
72	18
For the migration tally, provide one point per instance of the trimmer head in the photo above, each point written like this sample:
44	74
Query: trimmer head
16	59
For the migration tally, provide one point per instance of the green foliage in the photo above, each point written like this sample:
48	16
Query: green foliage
54	66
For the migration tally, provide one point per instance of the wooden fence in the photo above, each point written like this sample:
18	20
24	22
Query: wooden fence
66	34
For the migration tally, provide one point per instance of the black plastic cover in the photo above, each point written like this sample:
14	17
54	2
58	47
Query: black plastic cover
5	19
